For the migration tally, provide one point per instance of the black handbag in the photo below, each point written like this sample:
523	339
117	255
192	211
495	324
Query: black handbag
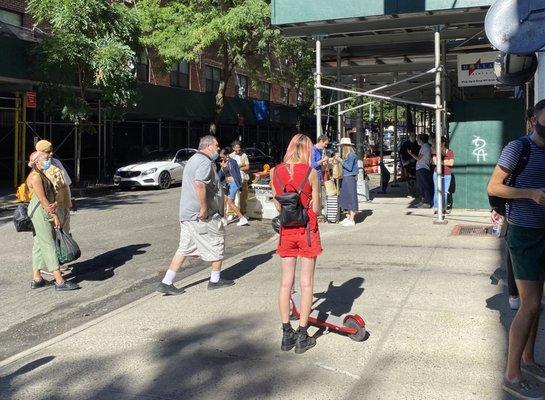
21	219
66	247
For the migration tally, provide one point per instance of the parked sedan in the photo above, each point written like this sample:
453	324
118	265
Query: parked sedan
159	168
258	159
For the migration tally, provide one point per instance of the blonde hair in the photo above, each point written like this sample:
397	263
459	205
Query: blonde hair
346	150
299	150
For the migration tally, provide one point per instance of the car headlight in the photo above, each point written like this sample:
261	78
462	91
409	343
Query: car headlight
116	173
149	171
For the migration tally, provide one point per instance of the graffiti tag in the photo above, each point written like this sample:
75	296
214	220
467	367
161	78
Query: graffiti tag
480	148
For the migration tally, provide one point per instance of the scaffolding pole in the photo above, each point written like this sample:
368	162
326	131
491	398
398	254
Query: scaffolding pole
438	128
318	84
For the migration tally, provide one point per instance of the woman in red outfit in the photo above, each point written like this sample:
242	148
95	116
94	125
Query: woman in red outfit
298	242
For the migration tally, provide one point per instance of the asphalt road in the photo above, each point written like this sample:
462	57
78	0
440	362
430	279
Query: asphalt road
127	240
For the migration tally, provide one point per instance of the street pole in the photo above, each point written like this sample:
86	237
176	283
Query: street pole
381	133
340	96
318	83
438	126
395	147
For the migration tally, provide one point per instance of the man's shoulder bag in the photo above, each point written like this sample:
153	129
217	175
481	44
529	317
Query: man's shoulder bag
498	204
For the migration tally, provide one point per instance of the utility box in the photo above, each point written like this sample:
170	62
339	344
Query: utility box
479	129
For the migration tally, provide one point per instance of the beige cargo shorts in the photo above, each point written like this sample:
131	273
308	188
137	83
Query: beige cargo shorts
203	239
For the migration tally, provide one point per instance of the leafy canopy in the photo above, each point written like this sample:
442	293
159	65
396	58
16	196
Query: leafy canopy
90	44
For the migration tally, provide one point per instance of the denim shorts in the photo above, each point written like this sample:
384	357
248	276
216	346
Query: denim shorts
232	190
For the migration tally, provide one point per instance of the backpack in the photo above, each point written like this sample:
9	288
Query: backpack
292	212
21	219
499	204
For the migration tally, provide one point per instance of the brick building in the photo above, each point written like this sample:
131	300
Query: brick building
174	109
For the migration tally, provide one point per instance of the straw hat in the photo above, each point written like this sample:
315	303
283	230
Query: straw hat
345	141
44	145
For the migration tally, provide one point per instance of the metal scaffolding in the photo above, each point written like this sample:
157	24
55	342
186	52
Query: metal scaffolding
439	106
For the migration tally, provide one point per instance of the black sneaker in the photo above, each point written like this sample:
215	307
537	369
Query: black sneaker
169	289
66	285
38	284
220	284
304	342
289	336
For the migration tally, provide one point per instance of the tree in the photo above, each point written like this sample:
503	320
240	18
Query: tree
90	44
240	31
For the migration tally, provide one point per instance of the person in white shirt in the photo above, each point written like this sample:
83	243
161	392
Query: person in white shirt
244	164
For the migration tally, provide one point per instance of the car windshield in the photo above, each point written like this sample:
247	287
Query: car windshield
159	156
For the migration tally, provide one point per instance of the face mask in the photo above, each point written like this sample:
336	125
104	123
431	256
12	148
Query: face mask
47	164
540	130
214	156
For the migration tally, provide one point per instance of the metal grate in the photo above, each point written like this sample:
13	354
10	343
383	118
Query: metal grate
472	230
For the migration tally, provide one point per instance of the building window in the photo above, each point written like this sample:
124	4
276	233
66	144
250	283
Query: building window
142	68
285	95
241	86
265	91
213	76
179	76
10	17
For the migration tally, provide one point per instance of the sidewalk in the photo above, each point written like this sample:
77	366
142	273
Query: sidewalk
435	312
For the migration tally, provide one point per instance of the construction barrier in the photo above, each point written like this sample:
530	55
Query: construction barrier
371	165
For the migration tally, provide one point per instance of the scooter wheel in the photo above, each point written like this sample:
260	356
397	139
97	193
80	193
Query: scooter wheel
360	334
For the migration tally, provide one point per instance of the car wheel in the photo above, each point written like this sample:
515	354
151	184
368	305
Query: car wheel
164	180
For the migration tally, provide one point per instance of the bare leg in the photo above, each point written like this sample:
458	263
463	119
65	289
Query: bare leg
233	207
58	276
520	336
176	263
528	353
351	215
36	275
216	265
307	288
287	266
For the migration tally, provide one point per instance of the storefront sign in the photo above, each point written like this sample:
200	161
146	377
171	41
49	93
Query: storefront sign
477	69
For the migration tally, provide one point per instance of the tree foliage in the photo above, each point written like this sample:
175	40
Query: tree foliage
90	44
239	30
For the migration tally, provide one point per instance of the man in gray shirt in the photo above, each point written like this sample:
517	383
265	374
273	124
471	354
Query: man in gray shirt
202	233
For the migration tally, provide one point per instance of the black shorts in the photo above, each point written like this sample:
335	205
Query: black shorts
527	249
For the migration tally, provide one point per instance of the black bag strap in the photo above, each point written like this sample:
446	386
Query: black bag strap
283	186
522	161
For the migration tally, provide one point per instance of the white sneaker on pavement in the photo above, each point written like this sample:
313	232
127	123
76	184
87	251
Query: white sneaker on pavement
349	223
242	221
230	217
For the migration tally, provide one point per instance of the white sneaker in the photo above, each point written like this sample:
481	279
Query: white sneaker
224	221
514	303
242	221
230	217
349	223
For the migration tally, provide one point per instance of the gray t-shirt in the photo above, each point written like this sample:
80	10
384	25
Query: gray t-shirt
425	152
200	168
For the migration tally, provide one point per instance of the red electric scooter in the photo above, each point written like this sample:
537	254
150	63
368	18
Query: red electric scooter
352	326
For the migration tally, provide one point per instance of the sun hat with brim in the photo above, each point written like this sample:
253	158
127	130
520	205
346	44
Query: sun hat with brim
345	141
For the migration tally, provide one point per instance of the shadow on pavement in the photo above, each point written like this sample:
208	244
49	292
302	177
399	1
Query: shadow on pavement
102	267
339	300
362	216
218	359
240	269
112	200
31	366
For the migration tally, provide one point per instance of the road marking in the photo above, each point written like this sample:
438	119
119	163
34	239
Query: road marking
340	371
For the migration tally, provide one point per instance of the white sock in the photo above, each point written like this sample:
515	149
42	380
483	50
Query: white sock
169	277
215	276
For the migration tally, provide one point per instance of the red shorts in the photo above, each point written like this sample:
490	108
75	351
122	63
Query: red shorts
293	242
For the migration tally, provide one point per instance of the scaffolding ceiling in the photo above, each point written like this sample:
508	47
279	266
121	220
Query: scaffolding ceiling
379	50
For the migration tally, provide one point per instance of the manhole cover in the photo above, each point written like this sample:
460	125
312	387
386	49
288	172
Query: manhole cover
472	230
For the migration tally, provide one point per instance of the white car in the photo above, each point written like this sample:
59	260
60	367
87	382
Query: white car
158	168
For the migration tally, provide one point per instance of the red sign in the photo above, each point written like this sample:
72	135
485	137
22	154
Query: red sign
30	99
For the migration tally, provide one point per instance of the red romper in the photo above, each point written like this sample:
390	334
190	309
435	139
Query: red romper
293	240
